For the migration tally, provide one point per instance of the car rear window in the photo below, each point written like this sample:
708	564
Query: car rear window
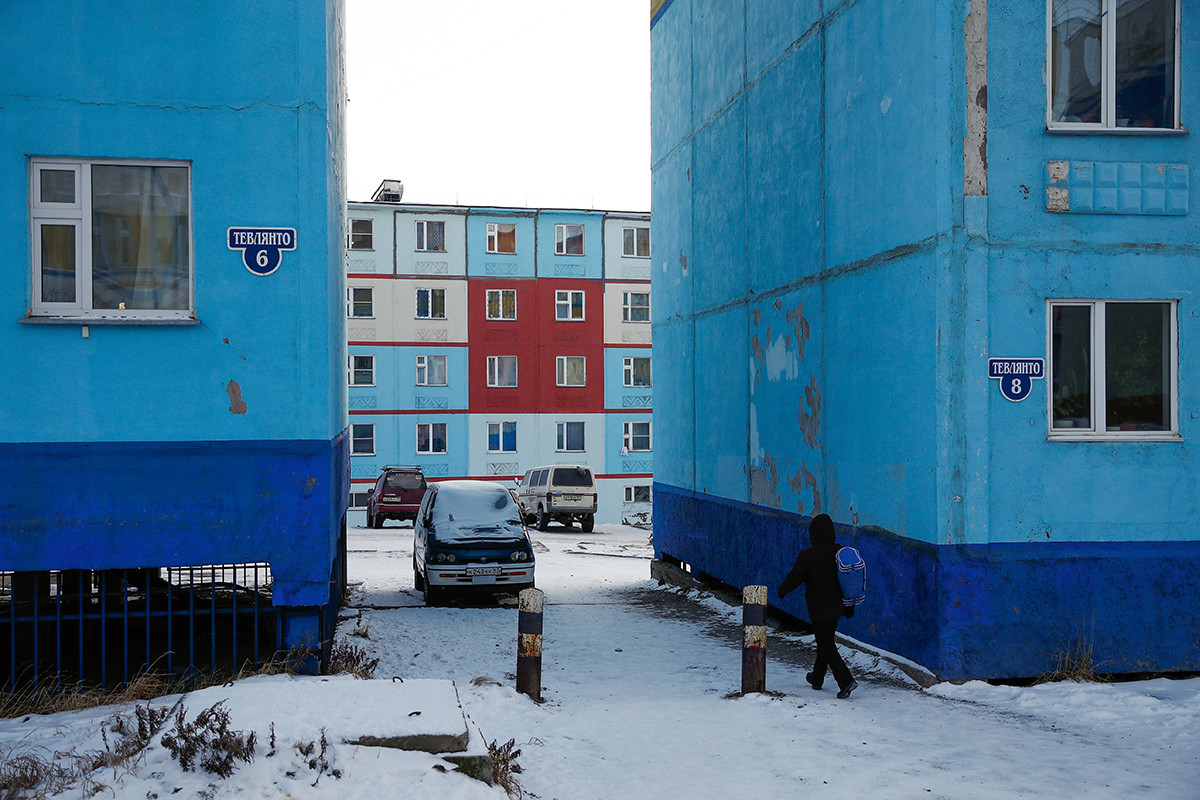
572	476
404	481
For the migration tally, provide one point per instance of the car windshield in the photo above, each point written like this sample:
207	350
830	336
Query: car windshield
572	476
473	510
404	481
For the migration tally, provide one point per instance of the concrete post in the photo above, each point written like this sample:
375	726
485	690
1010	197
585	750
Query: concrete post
754	639
529	643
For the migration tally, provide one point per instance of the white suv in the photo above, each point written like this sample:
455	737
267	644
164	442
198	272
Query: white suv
559	492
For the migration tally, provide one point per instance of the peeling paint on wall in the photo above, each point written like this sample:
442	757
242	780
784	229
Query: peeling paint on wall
758	356
975	162
798	481
800	326
236	406
764	483
810	421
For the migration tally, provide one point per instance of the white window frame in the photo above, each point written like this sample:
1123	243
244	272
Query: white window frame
78	215
1108	98
358	500
563	304
560	370
627	308
432	290
423	362
493	238
367	434
631	494
351	360
368	237
560	431
1099	375
628	372
487	303
353	302
422	243
499	428
636	230
430	438
561	237
627	437
493	373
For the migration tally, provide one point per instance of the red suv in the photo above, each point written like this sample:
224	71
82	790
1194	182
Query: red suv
397	495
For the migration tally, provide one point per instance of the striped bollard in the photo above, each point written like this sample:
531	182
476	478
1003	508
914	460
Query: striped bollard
754	639
529	643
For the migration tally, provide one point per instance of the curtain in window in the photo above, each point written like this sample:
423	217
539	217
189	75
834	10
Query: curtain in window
1077	60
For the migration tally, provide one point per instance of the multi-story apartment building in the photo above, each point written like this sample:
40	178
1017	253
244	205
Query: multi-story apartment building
484	342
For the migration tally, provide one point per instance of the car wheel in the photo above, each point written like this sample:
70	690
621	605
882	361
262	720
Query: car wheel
543	519
433	595
418	578
588	522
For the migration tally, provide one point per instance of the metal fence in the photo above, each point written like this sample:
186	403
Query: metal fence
102	627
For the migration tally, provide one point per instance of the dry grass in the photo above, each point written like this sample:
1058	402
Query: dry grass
505	767
1074	663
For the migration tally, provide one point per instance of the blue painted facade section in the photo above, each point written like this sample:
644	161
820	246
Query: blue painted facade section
125	444
588	265
482	264
617	395
827	293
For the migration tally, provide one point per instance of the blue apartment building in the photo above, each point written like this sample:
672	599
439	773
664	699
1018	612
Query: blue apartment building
931	269
173	438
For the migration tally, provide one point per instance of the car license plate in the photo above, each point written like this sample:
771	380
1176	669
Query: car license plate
483	571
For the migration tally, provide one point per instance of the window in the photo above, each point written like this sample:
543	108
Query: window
636	437
501	237
501	303
571	371
570	437
361	235
431	370
1113	64
362	370
1112	368
635	307
362	439
431	236
568	304
111	239
358	499
431	437
568	240
637	371
431	303
502	371
502	437
637	494
362	302
635	242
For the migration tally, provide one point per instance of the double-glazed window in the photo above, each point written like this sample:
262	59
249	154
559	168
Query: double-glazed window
431	437
568	240
431	303
570	437
568	304
431	236
362	439
502	371
635	307
362	370
111	238
636	370
362	235
501	303
431	370
502	437
501	237
571	371
1112	368
635	242
636	436
1113	64
361	302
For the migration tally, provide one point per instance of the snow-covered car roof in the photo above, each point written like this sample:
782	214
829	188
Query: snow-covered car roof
474	509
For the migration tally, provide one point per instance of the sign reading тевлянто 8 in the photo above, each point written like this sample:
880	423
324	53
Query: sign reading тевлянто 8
1016	375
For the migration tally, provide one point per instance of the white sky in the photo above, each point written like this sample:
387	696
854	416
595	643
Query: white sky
539	103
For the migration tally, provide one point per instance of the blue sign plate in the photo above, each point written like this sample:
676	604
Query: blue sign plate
1016	375
262	248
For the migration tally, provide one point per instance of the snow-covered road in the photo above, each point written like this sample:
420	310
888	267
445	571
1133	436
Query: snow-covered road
636	678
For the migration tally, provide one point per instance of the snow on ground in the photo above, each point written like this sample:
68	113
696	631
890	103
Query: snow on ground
637	682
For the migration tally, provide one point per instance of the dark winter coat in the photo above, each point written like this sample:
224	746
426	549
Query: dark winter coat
816	568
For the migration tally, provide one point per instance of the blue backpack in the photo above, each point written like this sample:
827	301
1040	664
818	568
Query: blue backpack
852	575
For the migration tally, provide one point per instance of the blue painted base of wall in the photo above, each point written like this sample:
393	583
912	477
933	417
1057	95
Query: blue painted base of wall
964	611
112	505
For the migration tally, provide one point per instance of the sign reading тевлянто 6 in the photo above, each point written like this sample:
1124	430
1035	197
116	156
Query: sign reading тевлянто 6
262	248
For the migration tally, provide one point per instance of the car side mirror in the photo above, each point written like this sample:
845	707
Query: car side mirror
370	492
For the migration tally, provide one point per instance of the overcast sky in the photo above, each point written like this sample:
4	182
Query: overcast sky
538	103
